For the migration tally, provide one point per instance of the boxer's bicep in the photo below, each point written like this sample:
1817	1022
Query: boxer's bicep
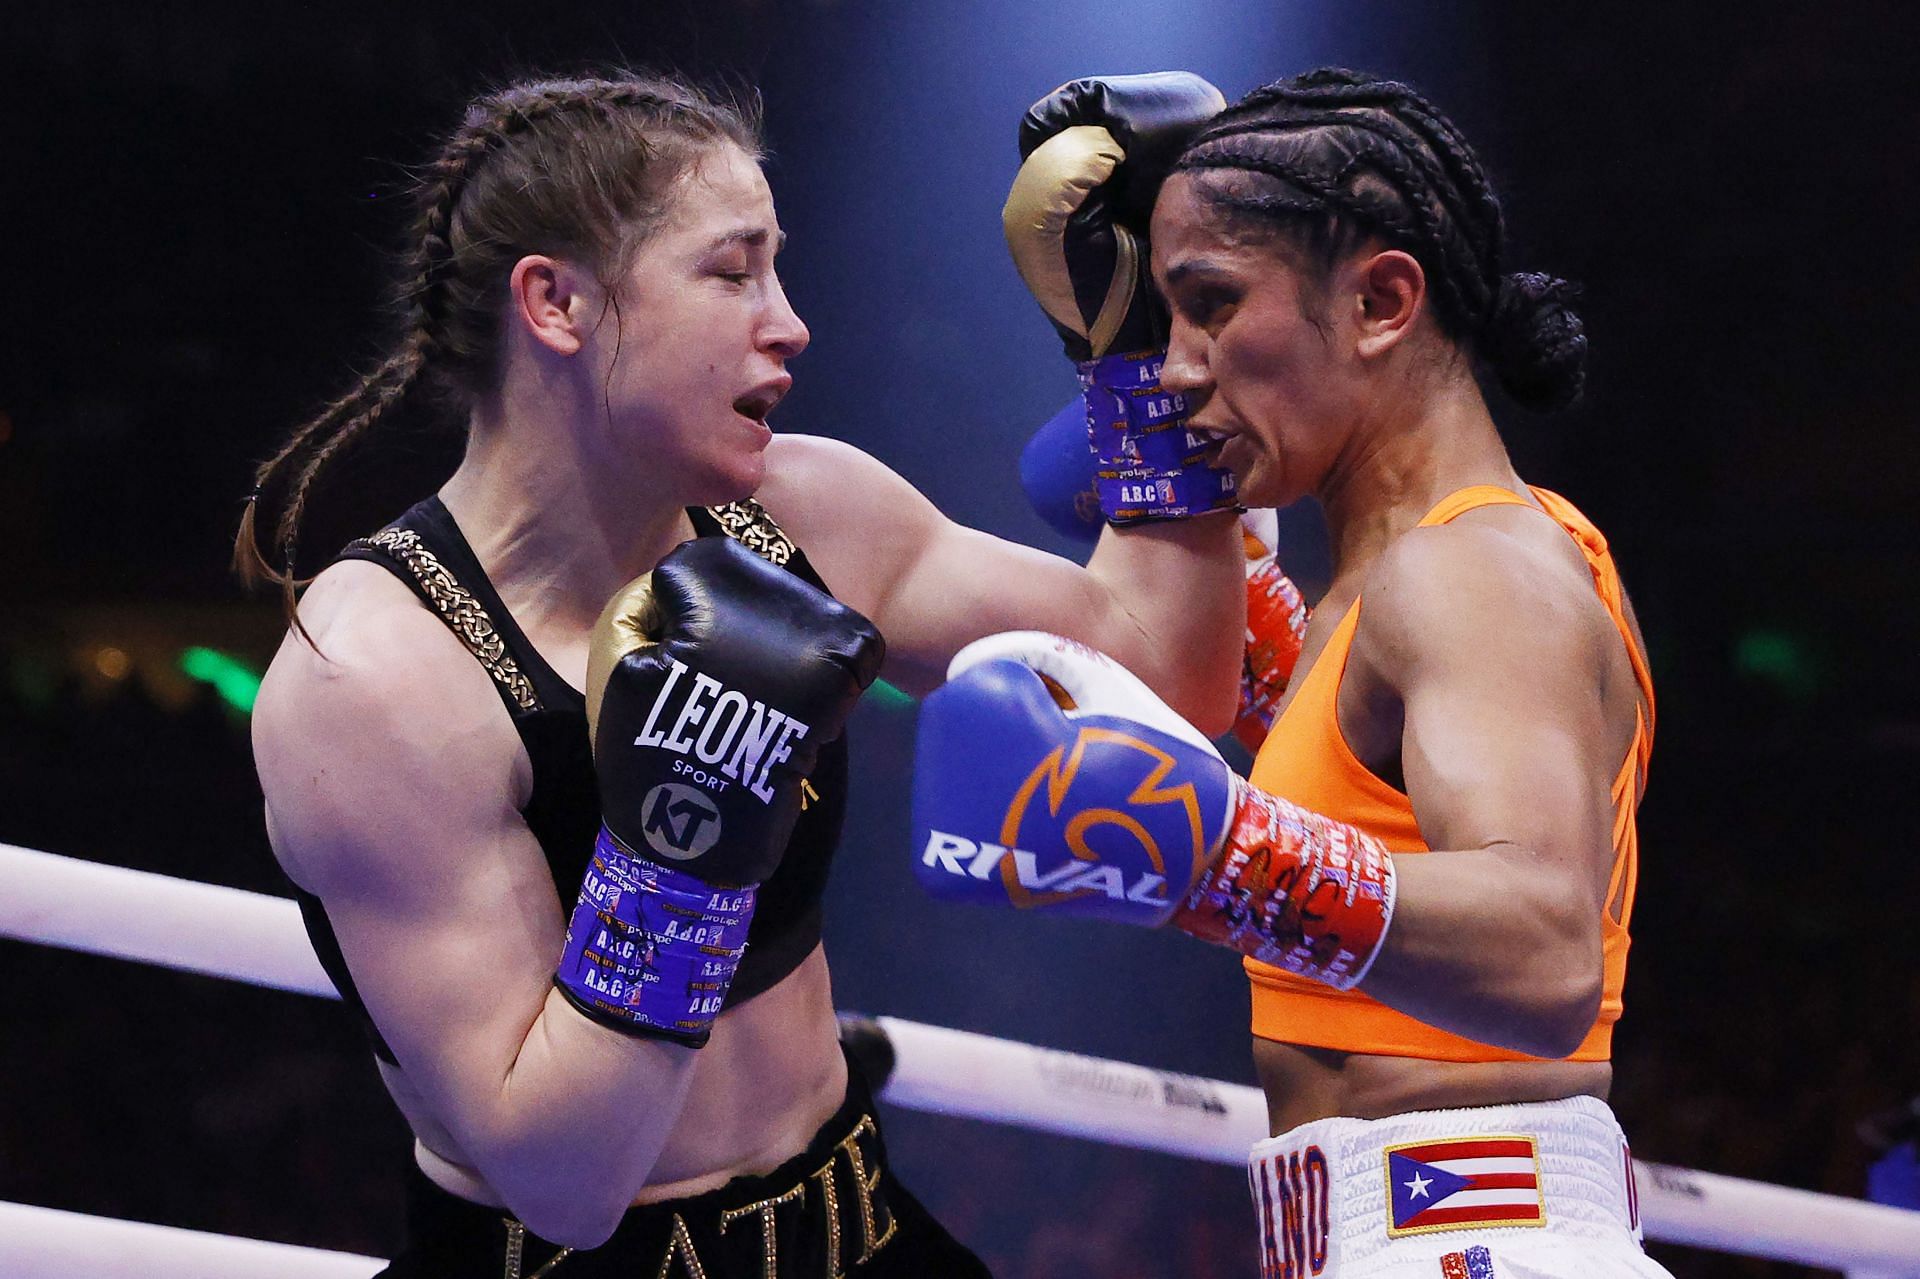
399	816
1505	760
1504	738
964	584
1166	599
931	585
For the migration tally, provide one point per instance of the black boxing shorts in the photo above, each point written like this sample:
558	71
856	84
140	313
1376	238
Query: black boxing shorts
834	1209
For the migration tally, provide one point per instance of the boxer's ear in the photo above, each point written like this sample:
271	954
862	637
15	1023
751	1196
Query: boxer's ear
553	301
1387	292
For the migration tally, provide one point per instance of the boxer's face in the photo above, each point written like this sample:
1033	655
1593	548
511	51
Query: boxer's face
695	357
1248	350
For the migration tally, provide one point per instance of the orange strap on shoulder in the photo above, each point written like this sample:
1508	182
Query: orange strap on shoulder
1592	544
1460	502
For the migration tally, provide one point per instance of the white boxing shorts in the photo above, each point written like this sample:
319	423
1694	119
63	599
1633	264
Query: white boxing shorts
1495	1192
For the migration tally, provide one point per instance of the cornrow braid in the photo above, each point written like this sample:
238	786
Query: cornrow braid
1398	213
1334	156
1334	97
575	167
443	225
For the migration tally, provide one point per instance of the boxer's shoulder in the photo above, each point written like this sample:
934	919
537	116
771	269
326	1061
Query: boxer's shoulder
1493	579
381	716
811	476
368	635
360	603
857	519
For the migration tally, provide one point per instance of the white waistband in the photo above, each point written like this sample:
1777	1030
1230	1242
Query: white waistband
1327	1187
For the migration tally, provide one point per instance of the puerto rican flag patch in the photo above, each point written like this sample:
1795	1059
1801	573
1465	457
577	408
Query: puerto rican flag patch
1472	1183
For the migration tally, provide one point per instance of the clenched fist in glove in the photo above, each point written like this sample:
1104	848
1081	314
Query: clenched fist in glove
713	683
1095	152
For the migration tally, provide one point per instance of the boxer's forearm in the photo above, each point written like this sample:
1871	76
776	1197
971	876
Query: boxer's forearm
1166	598
1528	977
1177	611
576	1122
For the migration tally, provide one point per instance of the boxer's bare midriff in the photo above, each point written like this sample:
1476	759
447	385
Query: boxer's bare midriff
1304	1084
765	1083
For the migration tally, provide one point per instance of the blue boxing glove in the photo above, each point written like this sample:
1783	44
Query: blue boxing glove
1057	475
1095	151
1048	775
1049	778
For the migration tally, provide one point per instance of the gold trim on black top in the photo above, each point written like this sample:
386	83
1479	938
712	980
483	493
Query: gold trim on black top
463	613
745	521
748	523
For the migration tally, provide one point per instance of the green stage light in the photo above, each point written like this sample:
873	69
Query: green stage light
1777	658
237	683
888	697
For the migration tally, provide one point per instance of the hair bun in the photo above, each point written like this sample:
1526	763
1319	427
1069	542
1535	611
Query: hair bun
1534	341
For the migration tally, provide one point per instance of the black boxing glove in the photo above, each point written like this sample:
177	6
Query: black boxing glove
1096	151
712	684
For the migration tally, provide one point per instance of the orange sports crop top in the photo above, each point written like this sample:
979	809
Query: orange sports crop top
1306	759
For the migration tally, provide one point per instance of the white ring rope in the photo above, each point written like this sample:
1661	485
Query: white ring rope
45	1243
250	937
972	1076
956	1072
156	919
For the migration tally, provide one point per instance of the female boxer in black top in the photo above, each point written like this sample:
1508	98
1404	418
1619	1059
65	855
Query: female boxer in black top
592	285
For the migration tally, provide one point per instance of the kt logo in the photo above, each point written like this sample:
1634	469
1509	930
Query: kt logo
681	822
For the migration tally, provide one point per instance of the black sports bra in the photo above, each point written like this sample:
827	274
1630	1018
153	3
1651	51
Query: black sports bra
426	550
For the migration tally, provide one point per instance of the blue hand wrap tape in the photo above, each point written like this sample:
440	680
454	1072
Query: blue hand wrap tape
651	946
1147	465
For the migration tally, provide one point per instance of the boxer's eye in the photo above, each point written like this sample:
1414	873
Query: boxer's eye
1205	305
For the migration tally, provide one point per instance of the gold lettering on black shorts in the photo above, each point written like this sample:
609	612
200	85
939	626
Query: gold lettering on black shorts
681	1246
832	1200
769	1245
877	1223
863	1188
516	1246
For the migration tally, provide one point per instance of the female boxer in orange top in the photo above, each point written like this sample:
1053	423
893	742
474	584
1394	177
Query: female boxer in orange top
1431	868
1473	682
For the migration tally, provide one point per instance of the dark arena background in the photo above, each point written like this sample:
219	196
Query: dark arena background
196	200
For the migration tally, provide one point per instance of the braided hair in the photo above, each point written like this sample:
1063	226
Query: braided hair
578	168
1333	157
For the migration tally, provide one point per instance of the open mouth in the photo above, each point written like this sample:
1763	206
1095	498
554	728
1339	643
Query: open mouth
756	406
1213	442
759	402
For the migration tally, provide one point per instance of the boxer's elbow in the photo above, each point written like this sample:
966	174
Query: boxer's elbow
571	1204
1560	1016
573	1224
1534	987
1542	1017
569	1186
1561	999
1514	961
1217	701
